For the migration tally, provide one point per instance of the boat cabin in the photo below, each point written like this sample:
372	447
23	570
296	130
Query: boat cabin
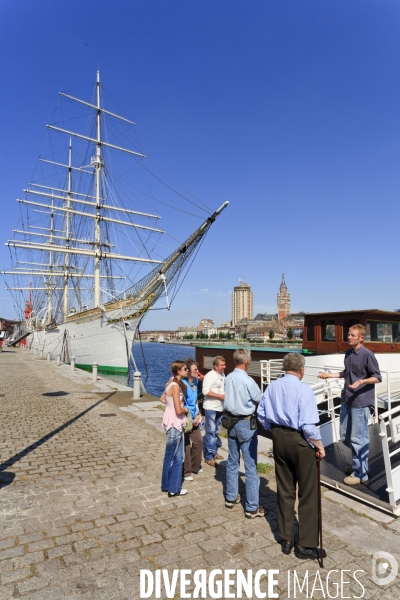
326	333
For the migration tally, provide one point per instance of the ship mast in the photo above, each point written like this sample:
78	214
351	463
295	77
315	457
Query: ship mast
59	275
50	280
67	231
98	165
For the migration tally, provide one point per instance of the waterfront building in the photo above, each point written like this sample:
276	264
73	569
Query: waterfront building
253	323
210	331
153	335
242	303
8	325
258	334
206	324
265	317
283	300
187	330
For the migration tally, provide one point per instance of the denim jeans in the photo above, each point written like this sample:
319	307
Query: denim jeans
354	433
211	439
171	479
243	439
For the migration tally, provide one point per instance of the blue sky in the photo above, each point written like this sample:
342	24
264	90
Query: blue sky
288	109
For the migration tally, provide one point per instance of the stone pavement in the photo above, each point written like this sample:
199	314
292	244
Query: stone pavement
82	512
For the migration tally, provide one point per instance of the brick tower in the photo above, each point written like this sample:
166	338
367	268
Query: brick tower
283	300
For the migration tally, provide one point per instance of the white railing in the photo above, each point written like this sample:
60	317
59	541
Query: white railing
386	392
391	420
270	370
389	390
327	390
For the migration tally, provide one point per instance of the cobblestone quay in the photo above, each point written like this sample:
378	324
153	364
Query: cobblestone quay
82	512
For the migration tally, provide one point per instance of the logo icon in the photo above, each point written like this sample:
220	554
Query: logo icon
384	568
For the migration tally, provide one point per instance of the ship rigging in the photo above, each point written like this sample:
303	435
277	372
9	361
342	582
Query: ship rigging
76	253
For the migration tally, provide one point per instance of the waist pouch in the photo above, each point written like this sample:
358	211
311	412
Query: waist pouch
229	421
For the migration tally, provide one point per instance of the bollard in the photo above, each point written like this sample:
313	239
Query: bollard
41	353
72	363
137	380
48	356
94	372
58	360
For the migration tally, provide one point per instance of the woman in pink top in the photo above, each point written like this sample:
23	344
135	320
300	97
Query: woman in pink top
174	422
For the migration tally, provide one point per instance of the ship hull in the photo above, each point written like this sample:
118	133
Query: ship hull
91	339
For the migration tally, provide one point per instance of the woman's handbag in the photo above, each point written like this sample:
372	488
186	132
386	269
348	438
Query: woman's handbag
189	423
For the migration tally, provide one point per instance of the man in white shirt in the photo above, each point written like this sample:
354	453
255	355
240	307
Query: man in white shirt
214	394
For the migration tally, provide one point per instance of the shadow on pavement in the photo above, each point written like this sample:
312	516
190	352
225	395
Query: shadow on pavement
6	479
268	497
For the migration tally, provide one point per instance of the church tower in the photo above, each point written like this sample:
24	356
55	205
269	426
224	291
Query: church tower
283	300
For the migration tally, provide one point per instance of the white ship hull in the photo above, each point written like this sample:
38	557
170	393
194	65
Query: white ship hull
91	340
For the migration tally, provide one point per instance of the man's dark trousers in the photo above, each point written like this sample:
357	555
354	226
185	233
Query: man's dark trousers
295	462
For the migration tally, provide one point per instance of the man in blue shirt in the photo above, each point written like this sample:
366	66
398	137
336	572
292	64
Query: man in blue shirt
242	395
361	373
289	408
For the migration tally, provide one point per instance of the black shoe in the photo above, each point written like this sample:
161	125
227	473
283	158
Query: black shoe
310	553
286	546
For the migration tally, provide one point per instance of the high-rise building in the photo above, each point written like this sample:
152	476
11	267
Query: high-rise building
283	300
242	302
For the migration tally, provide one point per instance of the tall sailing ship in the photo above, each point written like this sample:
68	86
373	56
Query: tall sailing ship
70	252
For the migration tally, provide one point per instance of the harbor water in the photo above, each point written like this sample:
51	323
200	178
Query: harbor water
158	358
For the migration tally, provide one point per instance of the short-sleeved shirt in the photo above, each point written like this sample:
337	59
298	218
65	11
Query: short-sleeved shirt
359	364
213	382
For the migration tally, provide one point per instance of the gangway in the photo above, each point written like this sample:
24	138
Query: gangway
382	489
21	335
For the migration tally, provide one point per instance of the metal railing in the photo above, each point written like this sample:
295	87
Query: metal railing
19	335
325	390
392	394
390	421
270	370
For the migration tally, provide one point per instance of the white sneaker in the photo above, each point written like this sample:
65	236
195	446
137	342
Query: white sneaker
199	471
183	492
188	478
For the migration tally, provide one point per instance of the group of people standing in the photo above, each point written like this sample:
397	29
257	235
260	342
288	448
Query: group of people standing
288	409
185	445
